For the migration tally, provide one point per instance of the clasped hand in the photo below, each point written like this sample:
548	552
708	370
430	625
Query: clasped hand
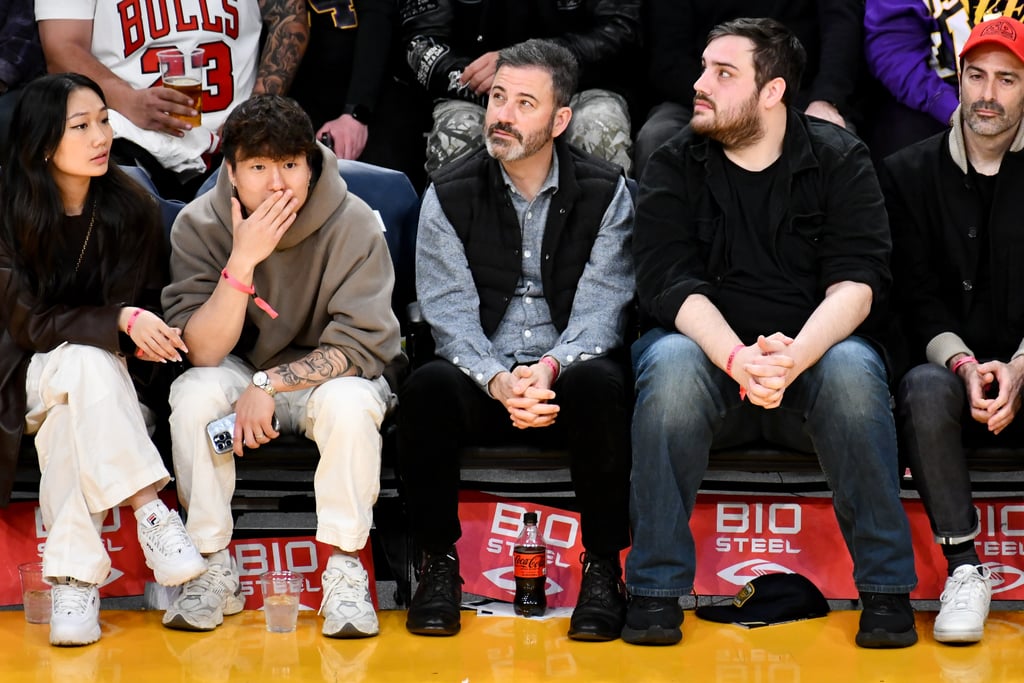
526	394
996	412
765	369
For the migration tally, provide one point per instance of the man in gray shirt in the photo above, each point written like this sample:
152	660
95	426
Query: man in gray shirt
524	273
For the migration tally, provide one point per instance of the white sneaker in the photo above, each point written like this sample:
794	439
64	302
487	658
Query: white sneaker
75	615
169	550
964	605
206	600
346	605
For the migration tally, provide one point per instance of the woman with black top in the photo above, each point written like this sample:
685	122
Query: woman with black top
82	261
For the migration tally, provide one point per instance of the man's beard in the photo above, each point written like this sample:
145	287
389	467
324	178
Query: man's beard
987	126
504	149
738	129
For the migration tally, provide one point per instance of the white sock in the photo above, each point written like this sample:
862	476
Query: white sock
152	512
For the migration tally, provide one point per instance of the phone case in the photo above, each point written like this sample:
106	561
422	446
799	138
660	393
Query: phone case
222	432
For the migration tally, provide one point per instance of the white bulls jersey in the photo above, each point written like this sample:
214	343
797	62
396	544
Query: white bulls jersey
126	36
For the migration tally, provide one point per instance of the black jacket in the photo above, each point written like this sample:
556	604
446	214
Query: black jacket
475	200
28	327
829	226
936	214
443	36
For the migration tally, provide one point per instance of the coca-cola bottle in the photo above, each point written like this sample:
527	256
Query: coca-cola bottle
530	567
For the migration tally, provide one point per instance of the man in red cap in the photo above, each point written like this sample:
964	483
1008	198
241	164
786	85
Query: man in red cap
953	203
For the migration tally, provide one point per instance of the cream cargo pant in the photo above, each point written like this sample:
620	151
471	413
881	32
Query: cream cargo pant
343	416
94	452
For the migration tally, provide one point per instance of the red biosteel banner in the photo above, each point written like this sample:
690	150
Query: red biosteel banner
738	537
22	536
303	554
490	526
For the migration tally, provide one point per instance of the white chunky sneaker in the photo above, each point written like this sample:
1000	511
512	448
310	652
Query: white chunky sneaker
207	599
346	605
169	551
964	605
75	616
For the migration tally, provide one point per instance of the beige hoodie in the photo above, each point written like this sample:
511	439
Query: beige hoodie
330	277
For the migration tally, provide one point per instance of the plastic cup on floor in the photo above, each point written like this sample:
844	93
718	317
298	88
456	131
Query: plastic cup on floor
35	593
281	593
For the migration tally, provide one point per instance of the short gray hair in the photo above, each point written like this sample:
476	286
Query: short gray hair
548	55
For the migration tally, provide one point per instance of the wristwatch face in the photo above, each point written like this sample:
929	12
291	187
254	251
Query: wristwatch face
262	380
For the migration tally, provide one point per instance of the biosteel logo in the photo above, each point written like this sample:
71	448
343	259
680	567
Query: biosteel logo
742	572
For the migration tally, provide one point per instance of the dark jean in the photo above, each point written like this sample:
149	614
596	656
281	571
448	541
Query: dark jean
443	410
839	409
935	423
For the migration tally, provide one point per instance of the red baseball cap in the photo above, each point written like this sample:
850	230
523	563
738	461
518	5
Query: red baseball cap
1004	31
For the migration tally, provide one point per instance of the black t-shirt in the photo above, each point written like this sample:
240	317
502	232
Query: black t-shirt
981	328
756	296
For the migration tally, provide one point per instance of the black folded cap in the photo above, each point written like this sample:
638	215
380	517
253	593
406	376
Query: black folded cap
770	599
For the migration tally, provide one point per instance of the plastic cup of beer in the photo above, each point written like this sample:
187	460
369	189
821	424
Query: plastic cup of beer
182	70
281	593
35	593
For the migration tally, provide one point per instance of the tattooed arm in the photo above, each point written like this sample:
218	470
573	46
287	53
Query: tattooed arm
287	36
255	407
323	363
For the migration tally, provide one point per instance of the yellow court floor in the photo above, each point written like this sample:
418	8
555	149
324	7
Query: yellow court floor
135	648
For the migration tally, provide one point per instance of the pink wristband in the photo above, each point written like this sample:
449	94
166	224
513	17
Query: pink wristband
962	361
548	361
131	321
732	357
251	291
728	367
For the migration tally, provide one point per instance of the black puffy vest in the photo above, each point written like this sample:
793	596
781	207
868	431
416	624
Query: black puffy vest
476	201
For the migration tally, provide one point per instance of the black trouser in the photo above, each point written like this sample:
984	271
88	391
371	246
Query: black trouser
442	410
935	424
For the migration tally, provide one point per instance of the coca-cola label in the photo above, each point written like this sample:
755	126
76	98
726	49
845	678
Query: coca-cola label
529	563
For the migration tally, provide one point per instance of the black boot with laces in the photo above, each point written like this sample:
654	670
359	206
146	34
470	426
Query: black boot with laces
601	608
434	610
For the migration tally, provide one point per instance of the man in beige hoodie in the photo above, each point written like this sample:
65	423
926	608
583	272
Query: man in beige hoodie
281	283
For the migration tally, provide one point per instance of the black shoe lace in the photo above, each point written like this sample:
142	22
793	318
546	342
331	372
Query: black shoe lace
439	577
599	582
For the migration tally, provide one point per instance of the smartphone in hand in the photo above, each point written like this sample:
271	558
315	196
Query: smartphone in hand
222	432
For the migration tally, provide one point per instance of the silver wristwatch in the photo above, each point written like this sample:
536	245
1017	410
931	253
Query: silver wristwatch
262	380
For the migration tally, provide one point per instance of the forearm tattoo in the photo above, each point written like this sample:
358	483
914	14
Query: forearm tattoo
325	363
287	35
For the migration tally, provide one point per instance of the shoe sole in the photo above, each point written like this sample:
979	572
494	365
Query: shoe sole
65	641
591	637
348	631
654	635
428	631
881	640
958	636
177	579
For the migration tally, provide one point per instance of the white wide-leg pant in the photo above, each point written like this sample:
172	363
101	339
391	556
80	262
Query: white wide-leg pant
94	452
343	416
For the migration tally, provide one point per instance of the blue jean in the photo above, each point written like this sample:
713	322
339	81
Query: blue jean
839	409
